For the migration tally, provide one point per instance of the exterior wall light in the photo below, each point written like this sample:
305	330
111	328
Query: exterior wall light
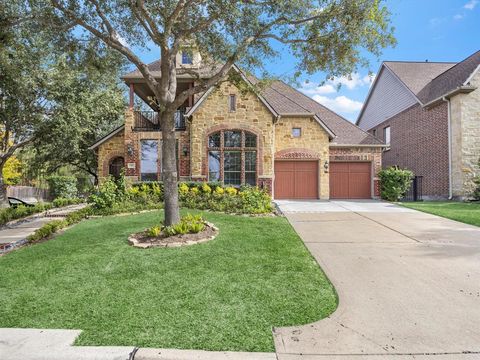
325	165
185	151
130	150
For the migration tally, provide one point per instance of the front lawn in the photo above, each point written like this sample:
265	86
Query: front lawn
465	212
222	295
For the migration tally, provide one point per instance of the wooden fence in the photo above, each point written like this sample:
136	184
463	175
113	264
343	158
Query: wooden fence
28	192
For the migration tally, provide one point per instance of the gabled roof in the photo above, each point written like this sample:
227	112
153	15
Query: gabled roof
106	137
416	75
454	78
204	71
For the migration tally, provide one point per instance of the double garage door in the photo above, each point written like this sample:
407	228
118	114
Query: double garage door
299	180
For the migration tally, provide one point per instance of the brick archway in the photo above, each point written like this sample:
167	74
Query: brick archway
296	154
108	160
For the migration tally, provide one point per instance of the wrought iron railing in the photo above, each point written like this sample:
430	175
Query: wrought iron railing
150	121
415	193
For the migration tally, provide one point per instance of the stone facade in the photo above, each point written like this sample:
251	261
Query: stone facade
419	142
275	140
214	115
363	154
312	144
109	150
465	130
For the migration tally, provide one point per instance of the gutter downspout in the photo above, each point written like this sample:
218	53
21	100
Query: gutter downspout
449	126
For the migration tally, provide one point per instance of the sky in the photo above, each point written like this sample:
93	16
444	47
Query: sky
437	30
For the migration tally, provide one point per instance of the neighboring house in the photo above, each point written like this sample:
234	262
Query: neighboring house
280	140
428	114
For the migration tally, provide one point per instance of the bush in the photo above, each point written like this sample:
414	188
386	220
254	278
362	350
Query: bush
60	202
62	186
189	224
9	214
110	192
476	181
394	183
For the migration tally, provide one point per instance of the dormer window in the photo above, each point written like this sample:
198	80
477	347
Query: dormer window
186	58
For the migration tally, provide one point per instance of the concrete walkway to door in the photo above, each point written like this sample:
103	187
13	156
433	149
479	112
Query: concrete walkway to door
408	283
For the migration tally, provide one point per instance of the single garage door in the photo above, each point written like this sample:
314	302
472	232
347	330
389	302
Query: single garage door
350	180
296	180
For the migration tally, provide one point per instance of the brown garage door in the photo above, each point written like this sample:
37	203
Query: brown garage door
296	180
350	180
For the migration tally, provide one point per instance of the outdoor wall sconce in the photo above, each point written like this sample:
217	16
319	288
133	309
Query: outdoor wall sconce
325	166
185	151
130	150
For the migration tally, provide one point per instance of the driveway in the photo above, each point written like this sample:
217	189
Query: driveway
408	283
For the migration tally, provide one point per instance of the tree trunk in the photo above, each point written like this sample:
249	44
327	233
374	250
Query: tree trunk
169	169
3	188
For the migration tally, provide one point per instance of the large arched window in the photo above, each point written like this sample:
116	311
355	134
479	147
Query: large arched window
232	157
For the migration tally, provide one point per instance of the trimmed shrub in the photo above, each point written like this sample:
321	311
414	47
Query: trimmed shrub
110	192
394	183
9	214
60	202
62	186
189	224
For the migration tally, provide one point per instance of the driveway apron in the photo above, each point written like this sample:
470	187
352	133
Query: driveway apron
408	283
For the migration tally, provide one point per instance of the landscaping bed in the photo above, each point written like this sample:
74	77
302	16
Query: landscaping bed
466	212
225	294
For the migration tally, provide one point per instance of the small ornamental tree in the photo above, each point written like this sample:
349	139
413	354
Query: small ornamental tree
394	183
333	36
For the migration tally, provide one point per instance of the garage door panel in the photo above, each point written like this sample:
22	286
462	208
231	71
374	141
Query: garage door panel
350	180
296	180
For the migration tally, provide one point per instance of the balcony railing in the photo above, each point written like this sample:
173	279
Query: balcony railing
149	120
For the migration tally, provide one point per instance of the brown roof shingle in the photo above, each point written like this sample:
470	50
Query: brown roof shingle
285	99
450	80
416	75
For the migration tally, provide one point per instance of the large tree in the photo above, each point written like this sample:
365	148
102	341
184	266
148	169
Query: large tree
323	35
51	82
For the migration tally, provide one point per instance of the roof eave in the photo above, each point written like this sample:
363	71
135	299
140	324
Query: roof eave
456	91
106	137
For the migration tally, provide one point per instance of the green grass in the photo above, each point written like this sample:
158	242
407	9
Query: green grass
222	295
465	212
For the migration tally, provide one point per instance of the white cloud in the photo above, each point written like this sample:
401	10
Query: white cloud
341	104
470	5
434	22
458	17
350	82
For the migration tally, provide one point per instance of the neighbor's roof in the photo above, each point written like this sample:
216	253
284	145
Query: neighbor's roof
416	75
454	78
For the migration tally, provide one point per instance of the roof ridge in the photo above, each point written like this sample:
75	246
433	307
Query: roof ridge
326	108
420	62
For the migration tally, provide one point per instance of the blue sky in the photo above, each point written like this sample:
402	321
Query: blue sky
437	30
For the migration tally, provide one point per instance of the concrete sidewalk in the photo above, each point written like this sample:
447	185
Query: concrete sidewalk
38	344
18	230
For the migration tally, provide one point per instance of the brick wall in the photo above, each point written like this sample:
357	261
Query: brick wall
419	142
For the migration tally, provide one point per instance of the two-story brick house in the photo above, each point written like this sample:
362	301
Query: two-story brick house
277	138
428	114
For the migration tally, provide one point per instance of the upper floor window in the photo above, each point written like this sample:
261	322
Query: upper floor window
186	58
374	132
296	132
232	157
232	102
386	135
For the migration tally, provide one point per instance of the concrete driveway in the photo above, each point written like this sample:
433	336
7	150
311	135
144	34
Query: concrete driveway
408	283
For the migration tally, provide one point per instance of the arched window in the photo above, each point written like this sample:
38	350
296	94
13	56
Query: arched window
232	157
116	166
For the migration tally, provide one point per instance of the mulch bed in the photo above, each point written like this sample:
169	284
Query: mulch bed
142	240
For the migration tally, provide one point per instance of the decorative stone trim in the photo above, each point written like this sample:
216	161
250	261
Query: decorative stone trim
297	154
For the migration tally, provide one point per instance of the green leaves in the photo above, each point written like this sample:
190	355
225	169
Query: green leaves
394	182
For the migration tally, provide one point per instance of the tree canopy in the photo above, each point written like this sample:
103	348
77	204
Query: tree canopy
322	35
